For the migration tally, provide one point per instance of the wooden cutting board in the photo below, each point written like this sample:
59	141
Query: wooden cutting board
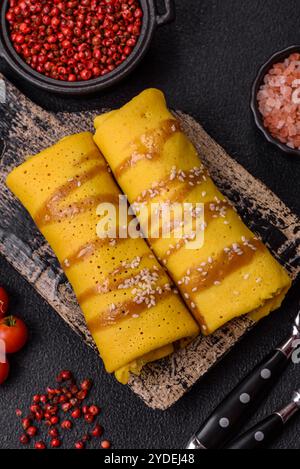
26	129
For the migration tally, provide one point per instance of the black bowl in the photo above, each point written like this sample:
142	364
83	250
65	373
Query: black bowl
151	20
276	58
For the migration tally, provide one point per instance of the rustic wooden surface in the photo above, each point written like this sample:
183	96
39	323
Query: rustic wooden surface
26	129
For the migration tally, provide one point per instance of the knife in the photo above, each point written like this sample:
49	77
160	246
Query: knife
230	415
266	431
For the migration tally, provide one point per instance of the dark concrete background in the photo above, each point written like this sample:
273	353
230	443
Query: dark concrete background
205	63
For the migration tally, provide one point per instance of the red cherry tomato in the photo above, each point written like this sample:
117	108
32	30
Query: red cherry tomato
14	333
4	371
3	302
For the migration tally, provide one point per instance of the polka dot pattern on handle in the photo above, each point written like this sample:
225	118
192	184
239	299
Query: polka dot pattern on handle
259	436
224	422
266	373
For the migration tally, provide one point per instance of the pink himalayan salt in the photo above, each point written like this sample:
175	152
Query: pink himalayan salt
279	101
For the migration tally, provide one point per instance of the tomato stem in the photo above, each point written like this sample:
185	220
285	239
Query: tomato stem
9	321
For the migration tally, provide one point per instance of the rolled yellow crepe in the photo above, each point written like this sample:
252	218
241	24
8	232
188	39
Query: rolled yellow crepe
233	273
127	299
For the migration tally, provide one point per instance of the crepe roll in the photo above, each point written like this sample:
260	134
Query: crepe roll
232	273
127	299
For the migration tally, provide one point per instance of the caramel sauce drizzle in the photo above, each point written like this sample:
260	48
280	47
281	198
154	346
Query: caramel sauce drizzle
87	250
165	185
51	212
108	286
148	146
209	215
215	272
123	311
91	156
187	188
226	264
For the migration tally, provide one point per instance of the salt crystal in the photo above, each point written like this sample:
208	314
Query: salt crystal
279	101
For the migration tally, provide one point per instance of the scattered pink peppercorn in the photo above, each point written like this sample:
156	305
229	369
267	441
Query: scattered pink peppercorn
86	385
55	442
66	406
66	425
66	375
53	432
97	431
79	445
76	413
54	420
26	422
94	410
32	431
85	409
81	395
24	439
39	445
49	407
105	444
89	418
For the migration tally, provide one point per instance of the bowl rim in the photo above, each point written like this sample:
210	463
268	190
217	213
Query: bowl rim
276	57
80	87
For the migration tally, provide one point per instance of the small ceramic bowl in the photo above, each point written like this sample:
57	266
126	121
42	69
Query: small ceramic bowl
276	58
151	20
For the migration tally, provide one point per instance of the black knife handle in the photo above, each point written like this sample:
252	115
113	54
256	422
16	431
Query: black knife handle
230	415
261	435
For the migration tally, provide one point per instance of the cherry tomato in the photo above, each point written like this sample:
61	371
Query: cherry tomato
14	333
4	371
3	302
